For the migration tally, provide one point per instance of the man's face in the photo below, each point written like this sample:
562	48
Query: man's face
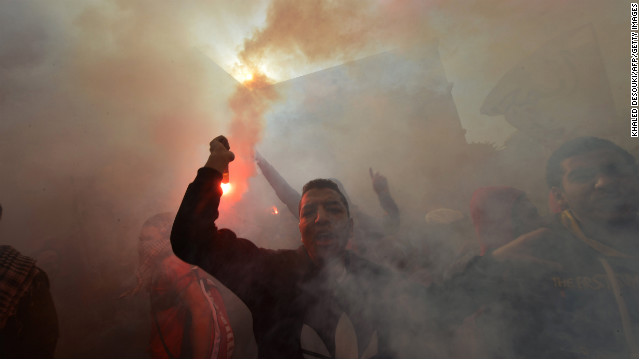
325	226
599	187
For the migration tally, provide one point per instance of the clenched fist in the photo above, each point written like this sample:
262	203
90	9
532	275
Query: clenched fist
220	154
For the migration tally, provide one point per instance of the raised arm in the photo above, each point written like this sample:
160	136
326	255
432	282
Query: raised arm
196	239
381	187
288	195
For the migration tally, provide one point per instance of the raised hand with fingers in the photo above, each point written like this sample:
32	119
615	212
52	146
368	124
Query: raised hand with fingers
380	184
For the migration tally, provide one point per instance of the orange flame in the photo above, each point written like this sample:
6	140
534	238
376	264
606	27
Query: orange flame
226	188
274	210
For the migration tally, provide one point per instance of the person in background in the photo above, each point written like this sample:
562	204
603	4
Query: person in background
387	203
500	214
28	317
578	278
448	237
188	315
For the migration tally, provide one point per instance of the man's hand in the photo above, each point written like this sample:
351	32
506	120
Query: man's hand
221	155
380	184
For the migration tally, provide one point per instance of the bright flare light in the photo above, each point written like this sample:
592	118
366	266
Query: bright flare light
226	188
247	77
248	74
274	210
244	75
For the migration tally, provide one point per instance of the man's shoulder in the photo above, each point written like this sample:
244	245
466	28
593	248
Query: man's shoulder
15	268
172	266
9	255
546	243
17	274
286	255
282	261
553	247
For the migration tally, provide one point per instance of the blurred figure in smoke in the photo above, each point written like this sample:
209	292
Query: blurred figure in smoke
390	249
500	214
28	318
448	239
578	279
368	234
318	301
388	204
189	319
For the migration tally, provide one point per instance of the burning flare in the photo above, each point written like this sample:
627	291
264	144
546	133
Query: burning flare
246	77
274	210
226	188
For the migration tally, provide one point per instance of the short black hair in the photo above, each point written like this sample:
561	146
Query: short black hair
579	146
323	184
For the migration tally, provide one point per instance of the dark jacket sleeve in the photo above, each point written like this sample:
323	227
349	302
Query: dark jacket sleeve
196	239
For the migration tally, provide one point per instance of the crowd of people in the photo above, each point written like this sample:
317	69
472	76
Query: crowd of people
504	281
565	286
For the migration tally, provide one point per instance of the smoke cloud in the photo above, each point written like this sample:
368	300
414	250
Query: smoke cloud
249	103
107	109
